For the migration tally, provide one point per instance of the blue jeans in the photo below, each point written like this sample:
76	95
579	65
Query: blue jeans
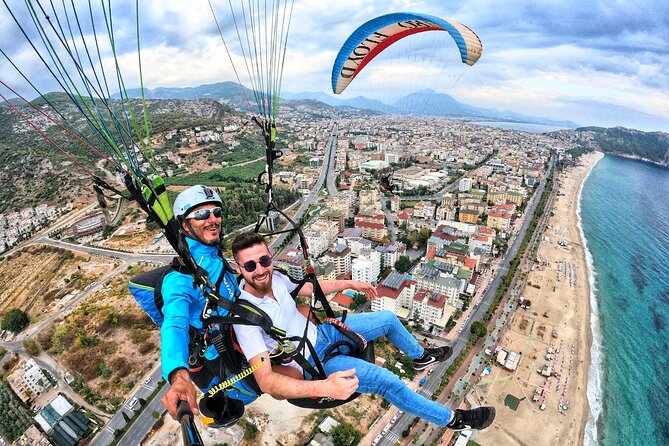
375	379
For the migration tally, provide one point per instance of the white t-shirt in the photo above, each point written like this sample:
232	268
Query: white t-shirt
284	314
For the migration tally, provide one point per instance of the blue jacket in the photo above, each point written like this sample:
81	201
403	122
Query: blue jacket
183	306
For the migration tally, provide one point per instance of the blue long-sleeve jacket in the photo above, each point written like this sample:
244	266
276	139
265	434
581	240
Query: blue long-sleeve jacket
183	306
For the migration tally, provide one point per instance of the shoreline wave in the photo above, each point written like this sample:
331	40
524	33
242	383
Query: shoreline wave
594	389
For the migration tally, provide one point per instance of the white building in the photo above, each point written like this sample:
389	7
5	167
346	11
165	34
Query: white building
431	308
431	279
317	242
29	380
358	245
367	266
390	254
320	236
340	256
395	294
293	262
445	213
465	184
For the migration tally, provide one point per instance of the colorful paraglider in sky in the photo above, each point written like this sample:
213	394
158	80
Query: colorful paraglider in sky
374	36
402	62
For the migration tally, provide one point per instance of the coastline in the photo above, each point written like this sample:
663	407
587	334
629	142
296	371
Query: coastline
592	377
554	333
638	158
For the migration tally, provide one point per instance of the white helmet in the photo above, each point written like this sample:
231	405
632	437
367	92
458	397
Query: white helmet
193	197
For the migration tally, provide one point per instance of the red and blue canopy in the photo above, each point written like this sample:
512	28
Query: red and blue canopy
374	36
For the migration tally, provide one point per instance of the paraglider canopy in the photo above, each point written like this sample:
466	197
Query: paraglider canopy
374	36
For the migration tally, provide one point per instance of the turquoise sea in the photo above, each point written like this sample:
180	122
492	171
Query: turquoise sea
624	212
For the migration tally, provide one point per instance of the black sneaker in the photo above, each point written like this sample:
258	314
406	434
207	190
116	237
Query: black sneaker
478	418
431	356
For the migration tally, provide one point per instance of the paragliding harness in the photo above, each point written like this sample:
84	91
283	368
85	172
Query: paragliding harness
146	288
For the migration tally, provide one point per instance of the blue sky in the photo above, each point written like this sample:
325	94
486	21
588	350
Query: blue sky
595	63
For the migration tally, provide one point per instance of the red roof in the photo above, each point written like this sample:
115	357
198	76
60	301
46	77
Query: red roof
343	300
505	207
362	215
470	263
390	292
486	230
441	303
366	224
422	294
500	214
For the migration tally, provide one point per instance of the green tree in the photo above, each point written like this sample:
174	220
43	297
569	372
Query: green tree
345	435
403	264
15	320
478	328
358	300
423	236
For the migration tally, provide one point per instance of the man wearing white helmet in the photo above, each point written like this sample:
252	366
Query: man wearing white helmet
198	210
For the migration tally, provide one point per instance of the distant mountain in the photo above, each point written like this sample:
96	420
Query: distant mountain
229	93
429	102
424	102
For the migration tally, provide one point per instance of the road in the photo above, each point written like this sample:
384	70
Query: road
312	198
330	155
128	257
391	218
145	420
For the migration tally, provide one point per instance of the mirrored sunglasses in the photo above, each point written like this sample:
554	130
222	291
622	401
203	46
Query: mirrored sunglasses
264	261
203	214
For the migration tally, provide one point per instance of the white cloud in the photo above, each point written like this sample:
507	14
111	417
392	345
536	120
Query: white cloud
536	54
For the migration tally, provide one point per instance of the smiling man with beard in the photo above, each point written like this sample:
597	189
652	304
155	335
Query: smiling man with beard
198	210
270	291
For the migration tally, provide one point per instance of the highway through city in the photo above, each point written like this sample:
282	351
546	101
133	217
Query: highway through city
326	174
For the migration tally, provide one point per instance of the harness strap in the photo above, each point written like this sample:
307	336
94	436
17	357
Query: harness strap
346	330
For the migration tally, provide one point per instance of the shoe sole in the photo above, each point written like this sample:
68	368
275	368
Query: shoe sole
418	368
486	423
490	419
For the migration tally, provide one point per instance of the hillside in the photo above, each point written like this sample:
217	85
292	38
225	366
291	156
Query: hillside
34	172
648	146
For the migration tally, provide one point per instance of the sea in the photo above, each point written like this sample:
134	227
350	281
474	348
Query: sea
520	126
624	216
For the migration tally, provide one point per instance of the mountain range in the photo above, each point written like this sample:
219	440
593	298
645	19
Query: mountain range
423	102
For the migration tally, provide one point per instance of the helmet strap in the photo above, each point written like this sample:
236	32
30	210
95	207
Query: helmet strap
191	233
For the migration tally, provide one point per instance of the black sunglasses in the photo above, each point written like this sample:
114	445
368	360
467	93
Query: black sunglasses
203	214
264	261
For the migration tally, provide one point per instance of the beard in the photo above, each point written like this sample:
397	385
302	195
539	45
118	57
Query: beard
263	287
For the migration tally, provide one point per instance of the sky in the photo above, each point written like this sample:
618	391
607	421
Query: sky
595	62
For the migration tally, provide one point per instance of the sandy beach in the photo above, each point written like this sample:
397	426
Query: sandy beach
552	335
